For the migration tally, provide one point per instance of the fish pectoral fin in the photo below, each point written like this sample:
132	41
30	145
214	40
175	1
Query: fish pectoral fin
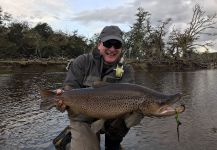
97	125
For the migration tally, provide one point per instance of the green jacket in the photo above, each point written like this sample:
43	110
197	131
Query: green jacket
89	68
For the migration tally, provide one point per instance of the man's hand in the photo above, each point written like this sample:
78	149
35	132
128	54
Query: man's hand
59	91
60	104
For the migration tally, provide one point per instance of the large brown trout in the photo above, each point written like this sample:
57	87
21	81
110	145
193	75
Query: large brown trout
110	101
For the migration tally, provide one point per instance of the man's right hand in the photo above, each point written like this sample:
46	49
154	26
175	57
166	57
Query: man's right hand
59	91
60	103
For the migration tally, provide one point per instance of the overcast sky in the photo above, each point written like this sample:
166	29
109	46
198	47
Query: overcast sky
90	16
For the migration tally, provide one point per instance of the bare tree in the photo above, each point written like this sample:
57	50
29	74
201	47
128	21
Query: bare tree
5	17
185	44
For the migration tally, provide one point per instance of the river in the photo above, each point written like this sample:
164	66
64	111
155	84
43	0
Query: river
23	126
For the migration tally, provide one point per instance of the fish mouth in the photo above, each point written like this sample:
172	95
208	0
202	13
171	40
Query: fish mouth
168	110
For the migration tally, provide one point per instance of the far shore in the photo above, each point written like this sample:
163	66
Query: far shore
138	65
26	62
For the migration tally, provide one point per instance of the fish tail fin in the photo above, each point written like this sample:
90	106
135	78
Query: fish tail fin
47	99
47	93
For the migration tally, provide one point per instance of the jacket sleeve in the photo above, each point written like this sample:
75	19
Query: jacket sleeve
76	73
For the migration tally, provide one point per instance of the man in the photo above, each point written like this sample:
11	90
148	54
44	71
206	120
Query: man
103	64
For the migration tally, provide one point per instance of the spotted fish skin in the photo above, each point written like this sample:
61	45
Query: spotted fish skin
113	100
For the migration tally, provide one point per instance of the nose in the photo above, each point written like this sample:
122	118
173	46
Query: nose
112	48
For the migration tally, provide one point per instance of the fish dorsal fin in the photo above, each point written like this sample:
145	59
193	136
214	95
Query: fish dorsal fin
98	84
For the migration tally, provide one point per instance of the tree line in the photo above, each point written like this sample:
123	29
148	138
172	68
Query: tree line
143	42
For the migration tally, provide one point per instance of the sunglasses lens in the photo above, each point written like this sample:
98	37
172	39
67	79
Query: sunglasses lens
116	44
107	44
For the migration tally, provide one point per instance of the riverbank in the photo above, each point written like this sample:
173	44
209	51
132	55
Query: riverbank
26	62
138	65
33	65
173	65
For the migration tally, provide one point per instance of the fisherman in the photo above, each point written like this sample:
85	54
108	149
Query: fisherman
104	63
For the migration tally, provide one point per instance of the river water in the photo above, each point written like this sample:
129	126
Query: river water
23	126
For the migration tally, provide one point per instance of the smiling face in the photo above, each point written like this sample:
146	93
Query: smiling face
110	50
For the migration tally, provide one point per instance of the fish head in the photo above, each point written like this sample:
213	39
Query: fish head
163	107
167	110
157	110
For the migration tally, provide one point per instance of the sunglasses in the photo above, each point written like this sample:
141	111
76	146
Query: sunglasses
116	44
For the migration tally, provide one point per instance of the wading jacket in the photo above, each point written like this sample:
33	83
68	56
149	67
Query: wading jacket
86	69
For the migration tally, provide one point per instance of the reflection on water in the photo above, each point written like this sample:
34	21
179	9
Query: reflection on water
24	126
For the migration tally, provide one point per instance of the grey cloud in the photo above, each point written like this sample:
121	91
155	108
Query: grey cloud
180	11
160	10
175	9
114	15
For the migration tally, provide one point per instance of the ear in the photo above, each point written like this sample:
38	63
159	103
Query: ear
99	45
